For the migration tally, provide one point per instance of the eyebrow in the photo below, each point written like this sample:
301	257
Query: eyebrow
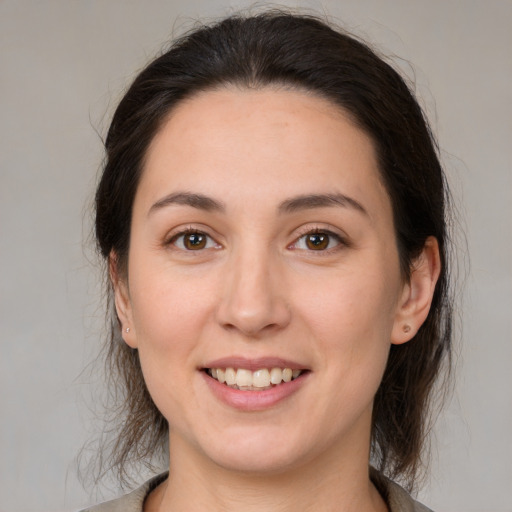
198	201
311	201
303	202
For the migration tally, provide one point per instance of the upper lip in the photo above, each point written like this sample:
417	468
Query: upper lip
254	364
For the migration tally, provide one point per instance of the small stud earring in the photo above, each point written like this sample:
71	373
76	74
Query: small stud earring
406	328
127	329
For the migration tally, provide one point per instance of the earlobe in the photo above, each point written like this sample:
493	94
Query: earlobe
122	302
417	294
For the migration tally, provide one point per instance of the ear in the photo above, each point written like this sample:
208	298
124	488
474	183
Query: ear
417	293
122	301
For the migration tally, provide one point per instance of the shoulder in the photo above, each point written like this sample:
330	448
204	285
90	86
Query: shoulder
397	498
131	502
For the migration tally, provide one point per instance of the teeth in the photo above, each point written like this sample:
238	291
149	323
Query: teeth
276	375
287	375
243	378
261	378
230	376
258	380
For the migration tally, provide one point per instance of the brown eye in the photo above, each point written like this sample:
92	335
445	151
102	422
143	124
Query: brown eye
317	241
193	241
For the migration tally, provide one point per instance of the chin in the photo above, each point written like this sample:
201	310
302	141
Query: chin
256	454
265	463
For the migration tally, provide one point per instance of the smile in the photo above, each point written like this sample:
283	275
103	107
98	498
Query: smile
247	380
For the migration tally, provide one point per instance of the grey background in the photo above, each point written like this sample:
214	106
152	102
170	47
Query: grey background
63	65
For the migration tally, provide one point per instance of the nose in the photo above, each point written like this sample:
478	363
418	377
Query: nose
254	300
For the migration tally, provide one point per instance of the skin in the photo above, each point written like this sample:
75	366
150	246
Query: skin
257	289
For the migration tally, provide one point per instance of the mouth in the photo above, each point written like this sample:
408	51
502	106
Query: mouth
248	380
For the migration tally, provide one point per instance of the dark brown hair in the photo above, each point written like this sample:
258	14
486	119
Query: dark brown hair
299	52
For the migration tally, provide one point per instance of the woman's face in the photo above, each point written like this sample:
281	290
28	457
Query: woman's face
262	245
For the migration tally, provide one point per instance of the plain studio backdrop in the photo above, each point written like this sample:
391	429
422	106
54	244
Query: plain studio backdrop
63	66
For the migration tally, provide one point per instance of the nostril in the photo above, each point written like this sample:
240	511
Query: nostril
251	304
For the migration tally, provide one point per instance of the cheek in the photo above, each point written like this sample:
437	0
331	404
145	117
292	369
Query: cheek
351	320
362	302
167	306
169	318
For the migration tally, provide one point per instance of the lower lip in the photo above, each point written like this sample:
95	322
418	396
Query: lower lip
254	400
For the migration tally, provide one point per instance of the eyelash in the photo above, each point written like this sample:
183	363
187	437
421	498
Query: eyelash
331	236
210	243
173	240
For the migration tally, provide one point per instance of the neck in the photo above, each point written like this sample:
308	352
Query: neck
330	484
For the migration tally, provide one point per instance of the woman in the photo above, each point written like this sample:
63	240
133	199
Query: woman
272	211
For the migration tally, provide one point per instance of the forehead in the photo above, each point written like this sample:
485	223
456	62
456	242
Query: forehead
273	142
